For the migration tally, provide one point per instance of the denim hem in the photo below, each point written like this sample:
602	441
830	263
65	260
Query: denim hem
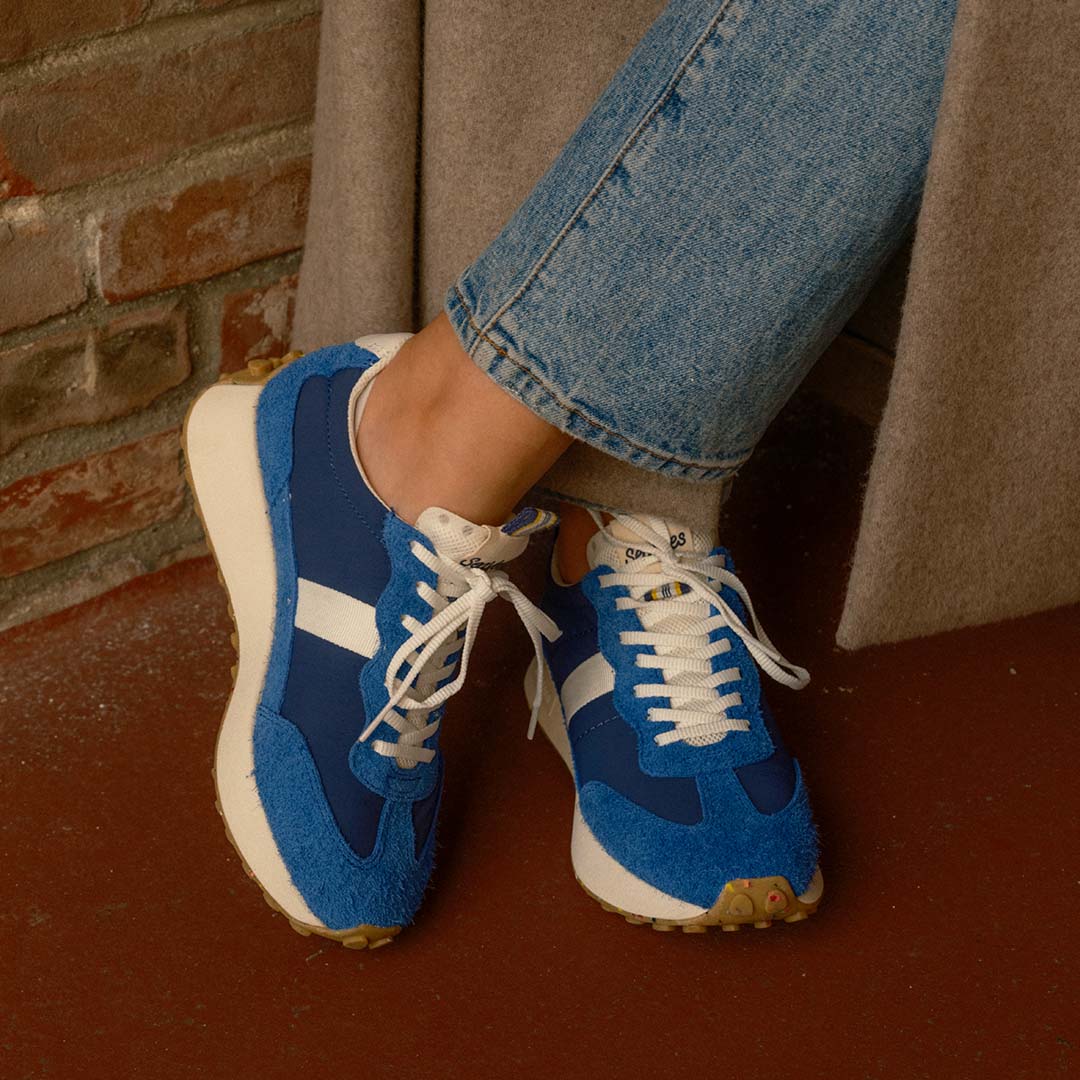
520	380
710	226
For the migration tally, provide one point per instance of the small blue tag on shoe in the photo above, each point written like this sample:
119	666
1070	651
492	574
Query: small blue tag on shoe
529	521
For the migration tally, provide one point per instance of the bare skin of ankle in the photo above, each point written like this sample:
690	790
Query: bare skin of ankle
576	529
437	431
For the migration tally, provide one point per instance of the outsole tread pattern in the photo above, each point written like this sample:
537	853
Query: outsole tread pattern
756	902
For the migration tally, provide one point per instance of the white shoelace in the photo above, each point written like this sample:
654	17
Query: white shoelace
457	608
676	604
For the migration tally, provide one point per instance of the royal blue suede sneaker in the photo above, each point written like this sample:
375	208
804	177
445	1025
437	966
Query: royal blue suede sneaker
689	812
351	625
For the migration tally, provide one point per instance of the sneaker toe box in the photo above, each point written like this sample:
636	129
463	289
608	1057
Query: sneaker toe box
343	889
733	840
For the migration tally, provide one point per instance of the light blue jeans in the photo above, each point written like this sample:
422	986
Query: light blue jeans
711	225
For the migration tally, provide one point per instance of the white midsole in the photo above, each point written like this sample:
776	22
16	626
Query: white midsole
222	453
601	874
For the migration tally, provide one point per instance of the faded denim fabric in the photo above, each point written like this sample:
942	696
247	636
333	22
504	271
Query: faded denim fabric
711	225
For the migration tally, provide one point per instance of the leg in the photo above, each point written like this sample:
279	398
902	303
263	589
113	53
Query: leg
436	430
668	283
710	226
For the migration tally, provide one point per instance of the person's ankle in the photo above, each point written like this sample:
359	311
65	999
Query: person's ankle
576	529
436	430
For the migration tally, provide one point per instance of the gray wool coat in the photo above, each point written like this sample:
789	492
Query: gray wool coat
435	118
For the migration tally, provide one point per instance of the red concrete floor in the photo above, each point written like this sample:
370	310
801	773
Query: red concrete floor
943	772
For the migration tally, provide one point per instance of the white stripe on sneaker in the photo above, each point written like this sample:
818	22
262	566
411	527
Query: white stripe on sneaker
589	680
336	617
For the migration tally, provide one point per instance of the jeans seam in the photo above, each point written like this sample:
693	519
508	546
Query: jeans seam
645	121
725	467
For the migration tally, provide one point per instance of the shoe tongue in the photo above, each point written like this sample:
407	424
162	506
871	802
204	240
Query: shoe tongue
481	546
625	552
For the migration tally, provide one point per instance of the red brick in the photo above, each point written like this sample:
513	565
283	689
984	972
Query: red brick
28	26
116	114
40	271
209	228
257	322
91	374
78	506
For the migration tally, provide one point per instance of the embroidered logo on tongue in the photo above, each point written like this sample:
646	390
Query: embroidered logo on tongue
625	554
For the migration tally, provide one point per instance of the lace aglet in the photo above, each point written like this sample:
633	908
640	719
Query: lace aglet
546	625
538	700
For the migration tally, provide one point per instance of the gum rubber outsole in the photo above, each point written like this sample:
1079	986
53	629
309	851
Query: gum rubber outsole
363	936
758	902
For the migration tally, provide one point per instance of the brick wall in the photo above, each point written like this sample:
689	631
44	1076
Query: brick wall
154	159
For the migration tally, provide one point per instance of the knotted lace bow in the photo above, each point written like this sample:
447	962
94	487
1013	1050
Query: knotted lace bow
459	602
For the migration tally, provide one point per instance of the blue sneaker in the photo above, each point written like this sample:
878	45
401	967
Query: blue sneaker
689	812
351	625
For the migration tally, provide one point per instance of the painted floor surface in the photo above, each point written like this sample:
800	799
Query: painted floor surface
943	772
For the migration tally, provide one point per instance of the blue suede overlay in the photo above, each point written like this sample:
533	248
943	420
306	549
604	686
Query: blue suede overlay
340	887
733	840
748	816
355	831
277	407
